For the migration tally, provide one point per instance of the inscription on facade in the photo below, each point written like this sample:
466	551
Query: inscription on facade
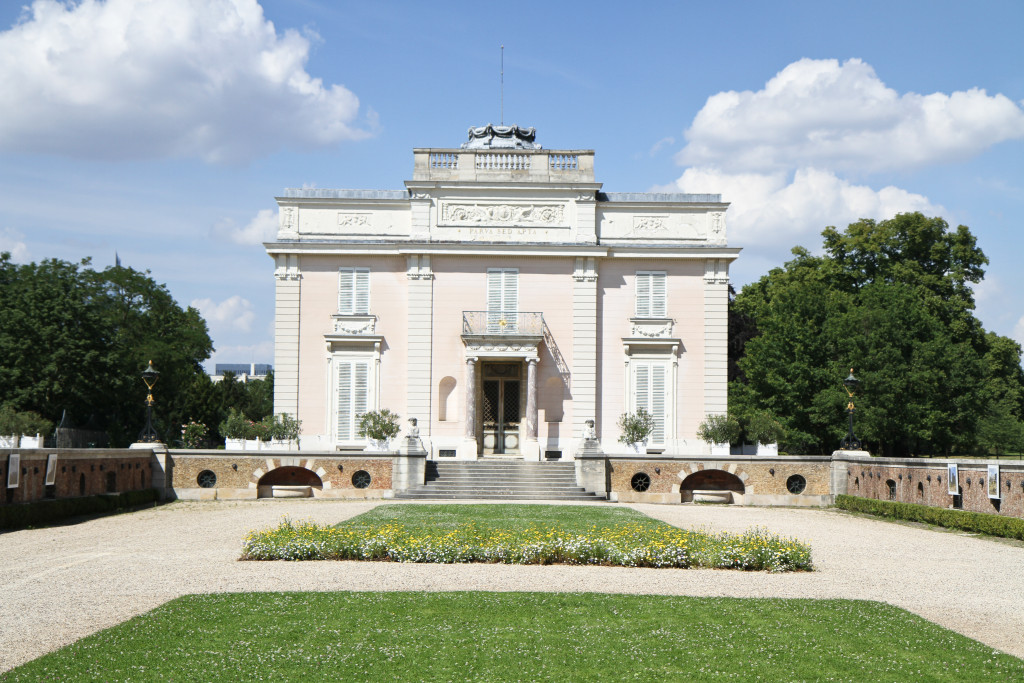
513	215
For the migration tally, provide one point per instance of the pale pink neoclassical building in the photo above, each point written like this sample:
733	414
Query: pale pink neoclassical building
502	299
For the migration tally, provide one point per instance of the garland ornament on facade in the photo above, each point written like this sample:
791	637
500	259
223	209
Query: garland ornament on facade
149	376
851	442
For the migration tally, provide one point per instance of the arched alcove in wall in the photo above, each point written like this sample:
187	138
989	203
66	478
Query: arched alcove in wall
445	388
712	480
290	476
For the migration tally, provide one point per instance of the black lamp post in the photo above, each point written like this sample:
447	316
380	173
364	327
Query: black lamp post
851	442
149	376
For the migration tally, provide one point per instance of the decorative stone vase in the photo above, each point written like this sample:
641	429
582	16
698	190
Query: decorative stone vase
32	441
768	449
234	444
720	448
9	441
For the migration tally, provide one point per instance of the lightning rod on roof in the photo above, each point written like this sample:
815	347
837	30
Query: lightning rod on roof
502	112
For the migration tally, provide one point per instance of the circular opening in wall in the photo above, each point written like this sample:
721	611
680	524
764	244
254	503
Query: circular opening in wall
206	479
796	484
640	482
361	479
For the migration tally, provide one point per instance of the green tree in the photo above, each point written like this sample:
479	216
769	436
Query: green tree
76	339
893	300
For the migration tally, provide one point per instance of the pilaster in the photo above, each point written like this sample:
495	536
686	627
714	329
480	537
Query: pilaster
584	347
716	336
420	328
287	290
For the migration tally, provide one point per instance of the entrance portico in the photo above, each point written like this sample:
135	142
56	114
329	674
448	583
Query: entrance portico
499	353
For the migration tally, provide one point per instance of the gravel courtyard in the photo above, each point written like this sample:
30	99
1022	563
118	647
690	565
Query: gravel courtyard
62	583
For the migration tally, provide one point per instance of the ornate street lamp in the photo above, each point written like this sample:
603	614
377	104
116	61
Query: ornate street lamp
851	442
149	376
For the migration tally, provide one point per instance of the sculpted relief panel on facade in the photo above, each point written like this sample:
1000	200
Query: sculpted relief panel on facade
667	226
457	214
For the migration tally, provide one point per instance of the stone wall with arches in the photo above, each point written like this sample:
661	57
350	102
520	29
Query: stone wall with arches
222	475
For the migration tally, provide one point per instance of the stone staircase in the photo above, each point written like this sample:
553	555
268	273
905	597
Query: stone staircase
505	479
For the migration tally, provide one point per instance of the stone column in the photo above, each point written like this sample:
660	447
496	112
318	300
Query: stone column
530	447
467	450
471	398
531	399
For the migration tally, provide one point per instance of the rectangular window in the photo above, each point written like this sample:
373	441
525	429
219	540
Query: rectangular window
353	291
353	396
650	380
650	294
502	299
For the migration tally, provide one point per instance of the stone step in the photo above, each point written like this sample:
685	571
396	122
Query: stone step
437	495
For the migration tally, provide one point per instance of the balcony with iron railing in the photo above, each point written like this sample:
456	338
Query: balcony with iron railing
502	323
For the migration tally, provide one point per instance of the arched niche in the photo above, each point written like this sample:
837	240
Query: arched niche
445	389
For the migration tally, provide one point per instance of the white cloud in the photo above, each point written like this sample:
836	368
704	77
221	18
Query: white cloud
234	314
825	114
781	207
13	241
135	79
262	228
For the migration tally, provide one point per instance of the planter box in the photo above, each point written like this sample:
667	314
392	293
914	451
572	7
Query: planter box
234	444
276	445
768	449
720	449
252	444
32	441
10	441
375	446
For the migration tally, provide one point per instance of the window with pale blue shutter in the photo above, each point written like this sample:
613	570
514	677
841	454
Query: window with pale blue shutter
502	299
651	294
353	291
353	389
650	393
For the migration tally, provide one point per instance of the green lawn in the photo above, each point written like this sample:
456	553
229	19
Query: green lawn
512	517
524	534
520	636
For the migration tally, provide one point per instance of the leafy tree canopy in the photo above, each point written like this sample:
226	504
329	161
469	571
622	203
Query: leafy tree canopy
893	300
76	339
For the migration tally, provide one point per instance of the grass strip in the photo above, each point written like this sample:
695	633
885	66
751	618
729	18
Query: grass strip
520	636
524	534
963	520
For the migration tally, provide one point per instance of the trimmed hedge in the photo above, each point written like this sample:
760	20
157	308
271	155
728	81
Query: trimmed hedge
964	520
42	512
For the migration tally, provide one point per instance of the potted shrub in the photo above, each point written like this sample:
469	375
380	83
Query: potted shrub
635	429
238	431
720	431
22	428
379	426
766	430
280	431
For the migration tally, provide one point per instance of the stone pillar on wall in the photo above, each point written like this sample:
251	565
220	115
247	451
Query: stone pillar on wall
716	336
467	450
419	381
584	348
287	290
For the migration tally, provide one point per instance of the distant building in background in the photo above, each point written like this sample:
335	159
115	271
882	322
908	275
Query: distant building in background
242	371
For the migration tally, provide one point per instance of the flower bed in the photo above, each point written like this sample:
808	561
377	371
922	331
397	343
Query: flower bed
628	545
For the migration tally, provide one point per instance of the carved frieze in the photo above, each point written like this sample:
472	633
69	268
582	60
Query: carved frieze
353	220
458	214
354	324
648	226
652	328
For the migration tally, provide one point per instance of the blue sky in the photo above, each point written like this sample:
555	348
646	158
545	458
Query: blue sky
163	129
